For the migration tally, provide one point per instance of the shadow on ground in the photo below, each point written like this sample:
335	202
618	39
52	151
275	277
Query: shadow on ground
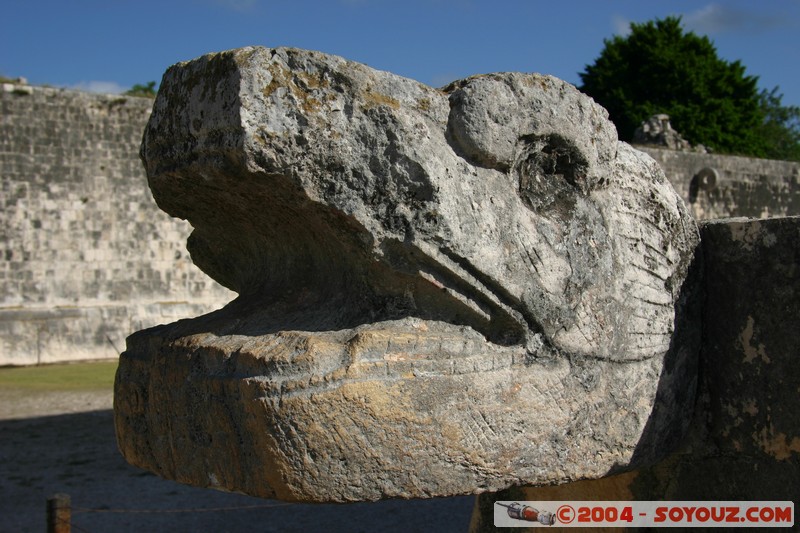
76	454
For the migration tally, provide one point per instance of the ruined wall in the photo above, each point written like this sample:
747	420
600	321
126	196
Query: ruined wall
86	257
719	186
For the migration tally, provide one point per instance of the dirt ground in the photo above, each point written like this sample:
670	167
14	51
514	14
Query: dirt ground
64	443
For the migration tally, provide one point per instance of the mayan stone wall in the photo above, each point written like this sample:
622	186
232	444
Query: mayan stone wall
86	257
719	186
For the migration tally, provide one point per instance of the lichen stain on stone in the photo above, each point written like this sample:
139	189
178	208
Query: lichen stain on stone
424	104
242	57
378	404
373	98
279	78
748	233
300	84
263	136
750	407
731	410
217	69
750	351
511	393
777	445
536	79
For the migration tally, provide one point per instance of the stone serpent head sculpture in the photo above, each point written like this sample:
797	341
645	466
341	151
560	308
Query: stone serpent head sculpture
441	291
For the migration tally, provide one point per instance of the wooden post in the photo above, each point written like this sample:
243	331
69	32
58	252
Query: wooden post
59	513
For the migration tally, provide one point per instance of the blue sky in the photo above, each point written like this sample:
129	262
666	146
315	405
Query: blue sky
109	45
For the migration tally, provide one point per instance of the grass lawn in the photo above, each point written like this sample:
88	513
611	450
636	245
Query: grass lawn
60	377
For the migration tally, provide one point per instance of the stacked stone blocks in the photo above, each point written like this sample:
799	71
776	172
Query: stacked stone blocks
86	257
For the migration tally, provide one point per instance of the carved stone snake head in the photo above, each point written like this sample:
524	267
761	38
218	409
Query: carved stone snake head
439	263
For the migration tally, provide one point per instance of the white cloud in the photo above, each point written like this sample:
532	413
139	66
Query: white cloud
716	18
622	26
96	86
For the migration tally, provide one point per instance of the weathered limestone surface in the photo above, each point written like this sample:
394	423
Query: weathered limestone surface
744	441
440	291
750	357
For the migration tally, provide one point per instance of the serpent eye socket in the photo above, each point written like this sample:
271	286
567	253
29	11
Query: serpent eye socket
551	172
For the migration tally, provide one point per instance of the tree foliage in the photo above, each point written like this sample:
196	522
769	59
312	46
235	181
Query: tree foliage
659	68
780	129
148	90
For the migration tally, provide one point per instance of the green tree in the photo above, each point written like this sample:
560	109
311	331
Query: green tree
659	68
780	129
148	90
